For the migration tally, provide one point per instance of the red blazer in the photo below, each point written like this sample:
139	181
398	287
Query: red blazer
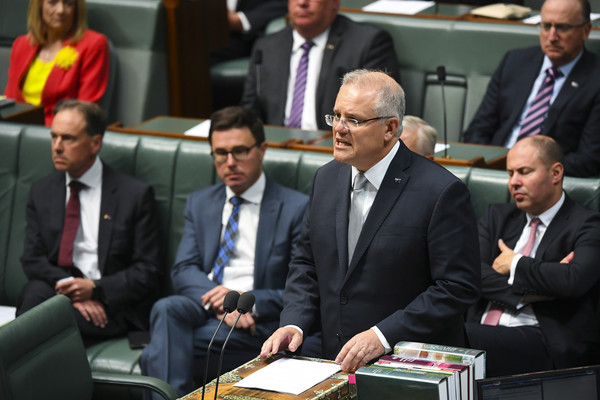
85	80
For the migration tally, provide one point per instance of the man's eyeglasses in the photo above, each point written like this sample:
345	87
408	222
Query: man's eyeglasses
561	29
239	153
332	120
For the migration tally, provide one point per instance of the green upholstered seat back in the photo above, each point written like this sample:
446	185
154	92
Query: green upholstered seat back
42	355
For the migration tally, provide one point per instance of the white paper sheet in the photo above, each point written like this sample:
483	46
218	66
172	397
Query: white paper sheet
288	375
407	7
440	147
199	130
7	314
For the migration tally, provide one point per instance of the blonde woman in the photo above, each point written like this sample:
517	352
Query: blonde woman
58	58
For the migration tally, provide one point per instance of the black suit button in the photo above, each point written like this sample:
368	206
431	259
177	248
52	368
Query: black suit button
344	300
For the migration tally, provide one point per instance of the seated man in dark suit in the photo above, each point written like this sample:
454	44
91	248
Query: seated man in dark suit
300	67
549	90
539	267
92	232
268	220
247	21
388	249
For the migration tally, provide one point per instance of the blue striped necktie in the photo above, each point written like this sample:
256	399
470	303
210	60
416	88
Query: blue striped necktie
536	115
229	238
295	119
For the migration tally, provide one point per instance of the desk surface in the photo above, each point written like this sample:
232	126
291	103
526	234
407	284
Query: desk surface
322	141
22	113
276	136
334	388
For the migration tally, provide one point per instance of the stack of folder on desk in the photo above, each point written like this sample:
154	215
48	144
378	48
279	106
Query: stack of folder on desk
422	371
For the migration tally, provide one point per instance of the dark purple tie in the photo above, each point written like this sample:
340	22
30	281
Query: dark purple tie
536	115
295	119
72	218
495	311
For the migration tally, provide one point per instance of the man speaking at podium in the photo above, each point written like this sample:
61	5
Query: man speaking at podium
393	256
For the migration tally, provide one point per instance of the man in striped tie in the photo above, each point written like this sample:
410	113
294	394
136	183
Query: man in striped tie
539	269
550	90
238	235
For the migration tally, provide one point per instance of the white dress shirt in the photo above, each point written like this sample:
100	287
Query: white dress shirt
315	60
238	274
85	246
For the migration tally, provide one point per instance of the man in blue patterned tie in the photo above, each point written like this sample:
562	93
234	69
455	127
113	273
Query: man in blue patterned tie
539	270
238	235
550	90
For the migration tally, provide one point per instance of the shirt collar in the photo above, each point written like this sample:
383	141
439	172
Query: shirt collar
254	193
547	216
377	172
565	69
319	41
92	177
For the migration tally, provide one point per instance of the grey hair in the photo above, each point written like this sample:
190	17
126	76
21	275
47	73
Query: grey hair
426	134
390	96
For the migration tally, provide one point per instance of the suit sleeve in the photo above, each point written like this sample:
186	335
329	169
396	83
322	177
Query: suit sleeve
551	278
94	70
453	264
138	279
269	302
264	12
188	275
494	286
585	160
486	120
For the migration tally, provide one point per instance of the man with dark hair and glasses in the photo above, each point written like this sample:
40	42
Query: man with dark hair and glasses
552	90
388	249
238	235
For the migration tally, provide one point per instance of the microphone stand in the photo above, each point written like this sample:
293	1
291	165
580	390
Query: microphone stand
441	73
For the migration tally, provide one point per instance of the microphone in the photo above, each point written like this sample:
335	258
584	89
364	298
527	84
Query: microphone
229	305
257	63
441	74
244	305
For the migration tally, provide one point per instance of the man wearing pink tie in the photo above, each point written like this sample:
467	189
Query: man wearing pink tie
539	270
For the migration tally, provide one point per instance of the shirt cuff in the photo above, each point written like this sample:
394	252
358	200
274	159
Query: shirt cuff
513	267
382	339
245	23
295	327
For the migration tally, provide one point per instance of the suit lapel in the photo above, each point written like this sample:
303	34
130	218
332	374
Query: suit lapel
270	209
514	229
525	78
56	211
212	225
108	213
576	79
282	65
555	229
342	202
334	41
393	184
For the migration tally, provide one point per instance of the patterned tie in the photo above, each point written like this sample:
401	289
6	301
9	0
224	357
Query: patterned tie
229	238
355	220
72	218
536	115
295	119
495	311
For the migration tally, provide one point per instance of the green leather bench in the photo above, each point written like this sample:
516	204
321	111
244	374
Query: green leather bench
175	167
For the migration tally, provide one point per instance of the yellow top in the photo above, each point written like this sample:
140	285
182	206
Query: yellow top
36	80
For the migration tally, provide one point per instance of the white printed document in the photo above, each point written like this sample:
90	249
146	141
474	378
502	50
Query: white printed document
407	7
288	375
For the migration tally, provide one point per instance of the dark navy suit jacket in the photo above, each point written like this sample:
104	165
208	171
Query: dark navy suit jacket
415	270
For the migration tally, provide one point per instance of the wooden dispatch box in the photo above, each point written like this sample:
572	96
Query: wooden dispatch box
334	388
